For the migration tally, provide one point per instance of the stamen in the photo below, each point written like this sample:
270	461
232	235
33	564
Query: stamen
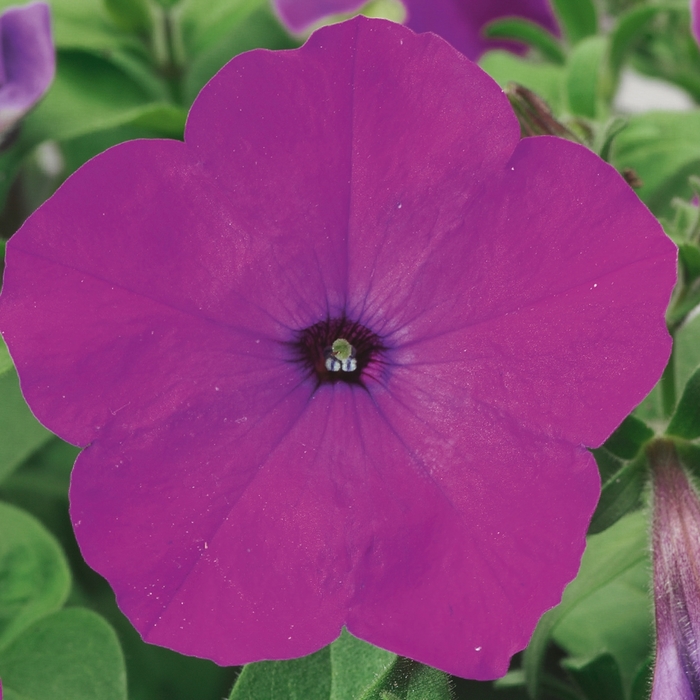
341	356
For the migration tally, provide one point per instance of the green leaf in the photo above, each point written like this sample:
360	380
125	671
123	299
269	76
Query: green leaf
206	22
608	134
689	454
628	27
599	677
34	575
6	363
542	78
622	487
642	681
71	655
85	25
131	15
685	422
584	75
686	351
663	148
10	164
256	28
156	673
308	678
689	255
529	33
89	95
409	680
345	670
356	666
46	474
20	433
629	437
669	50
604	607
615	616
577	18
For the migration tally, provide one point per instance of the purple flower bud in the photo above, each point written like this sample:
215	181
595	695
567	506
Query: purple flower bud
676	542
27	61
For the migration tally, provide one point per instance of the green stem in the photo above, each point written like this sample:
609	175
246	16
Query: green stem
668	386
168	47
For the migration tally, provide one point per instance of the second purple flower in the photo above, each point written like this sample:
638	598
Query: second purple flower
458	21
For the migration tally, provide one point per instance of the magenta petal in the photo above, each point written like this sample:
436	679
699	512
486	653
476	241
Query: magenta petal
543	330
461	21
243	500
695	18
27	60
460	584
299	15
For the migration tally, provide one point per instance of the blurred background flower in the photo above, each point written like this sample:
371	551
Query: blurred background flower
458	21
27	61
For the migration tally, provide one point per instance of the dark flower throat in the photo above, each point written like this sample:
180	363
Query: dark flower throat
316	349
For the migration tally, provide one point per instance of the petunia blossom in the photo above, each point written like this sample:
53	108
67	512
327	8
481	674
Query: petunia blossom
695	18
27	60
676	543
458	21
334	359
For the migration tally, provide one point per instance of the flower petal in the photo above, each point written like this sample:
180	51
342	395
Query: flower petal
559	323
149	317
442	553
494	535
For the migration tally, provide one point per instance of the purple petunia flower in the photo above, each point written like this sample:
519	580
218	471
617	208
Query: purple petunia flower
27	60
695	18
458	21
334	359
676	542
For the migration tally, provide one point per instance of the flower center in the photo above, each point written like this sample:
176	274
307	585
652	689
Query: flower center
337	350
341	357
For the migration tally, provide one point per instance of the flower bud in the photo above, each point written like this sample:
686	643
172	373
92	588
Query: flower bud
676	543
27	62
